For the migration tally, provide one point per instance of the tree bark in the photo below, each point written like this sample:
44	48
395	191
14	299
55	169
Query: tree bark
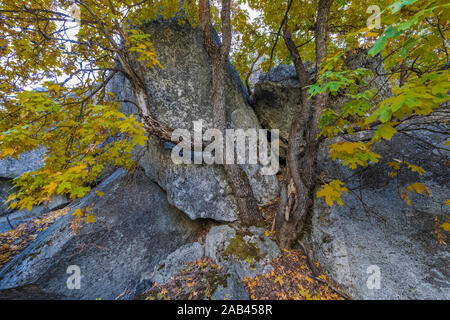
134	72
236	176
297	191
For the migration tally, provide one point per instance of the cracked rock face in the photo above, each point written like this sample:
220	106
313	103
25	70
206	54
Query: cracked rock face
277	96
179	95
241	254
375	227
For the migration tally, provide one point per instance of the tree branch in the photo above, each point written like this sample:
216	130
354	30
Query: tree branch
283	22
206	28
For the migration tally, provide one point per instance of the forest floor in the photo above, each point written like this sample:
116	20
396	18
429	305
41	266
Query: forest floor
291	278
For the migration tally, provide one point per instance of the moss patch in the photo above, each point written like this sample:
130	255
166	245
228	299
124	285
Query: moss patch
243	250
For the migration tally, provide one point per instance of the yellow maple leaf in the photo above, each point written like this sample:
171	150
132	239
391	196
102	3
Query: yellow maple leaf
332	192
386	131
396	164
54	88
90	219
6	153
420	188
415	168
51	188
78	213
279	279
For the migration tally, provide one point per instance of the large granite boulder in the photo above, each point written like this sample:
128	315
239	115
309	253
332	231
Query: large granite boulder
375	230
136	228
180	94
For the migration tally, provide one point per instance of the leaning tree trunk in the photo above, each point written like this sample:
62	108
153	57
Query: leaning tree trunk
236	176
134	71
297	191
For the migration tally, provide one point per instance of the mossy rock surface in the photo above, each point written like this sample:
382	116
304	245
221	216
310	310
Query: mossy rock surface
243	250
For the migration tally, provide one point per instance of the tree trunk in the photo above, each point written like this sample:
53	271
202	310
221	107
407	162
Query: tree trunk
297	191
236	176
